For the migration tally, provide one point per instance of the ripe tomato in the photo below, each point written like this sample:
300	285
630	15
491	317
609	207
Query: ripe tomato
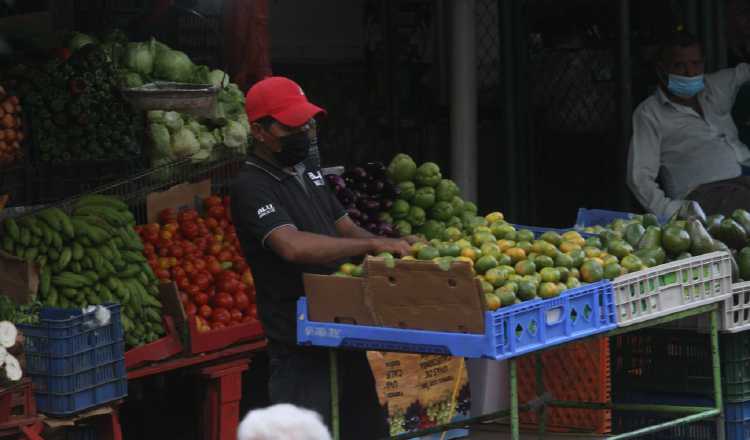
171	227
192	290
149	249
201	325
175	250
166	235
214	267
163	263
239	265
188	267
162	274
183	282
167	215
218	325
191	309
217	212
152	227
187	215
189	229
220	314
211	223
177	272
200	299
215	249
225	255
199	263
224	224
223	299
236	315
225	284
252	311
164	243
241	301
151	237
211	201
201	280
205	311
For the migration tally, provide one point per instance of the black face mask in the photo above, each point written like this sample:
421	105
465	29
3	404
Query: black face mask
294	149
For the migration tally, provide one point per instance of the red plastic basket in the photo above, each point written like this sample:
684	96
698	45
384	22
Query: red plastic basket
579	372
158	350
222	338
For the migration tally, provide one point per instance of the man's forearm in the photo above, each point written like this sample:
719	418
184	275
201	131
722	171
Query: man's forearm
307	248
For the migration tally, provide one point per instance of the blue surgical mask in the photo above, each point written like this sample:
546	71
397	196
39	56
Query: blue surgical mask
685	86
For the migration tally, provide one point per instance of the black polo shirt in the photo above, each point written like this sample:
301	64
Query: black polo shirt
264	198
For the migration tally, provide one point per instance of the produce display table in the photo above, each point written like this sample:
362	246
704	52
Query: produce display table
222	370
691	413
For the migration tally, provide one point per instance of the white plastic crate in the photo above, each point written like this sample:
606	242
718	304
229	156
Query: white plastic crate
735	314
672	287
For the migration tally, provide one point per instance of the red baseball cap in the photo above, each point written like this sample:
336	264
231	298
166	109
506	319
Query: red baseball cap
282	99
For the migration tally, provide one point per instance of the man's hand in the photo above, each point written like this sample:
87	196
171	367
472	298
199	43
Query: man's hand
391	245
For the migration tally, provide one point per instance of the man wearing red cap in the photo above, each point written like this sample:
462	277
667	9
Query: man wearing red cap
290	223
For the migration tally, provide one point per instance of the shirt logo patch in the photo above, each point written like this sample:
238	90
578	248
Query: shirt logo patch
265	210
317	178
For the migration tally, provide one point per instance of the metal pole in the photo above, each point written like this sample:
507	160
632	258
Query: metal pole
333	359
716	365
625	88
463	92
514	429
507	79
721	34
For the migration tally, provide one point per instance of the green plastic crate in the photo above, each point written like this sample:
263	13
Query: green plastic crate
735	366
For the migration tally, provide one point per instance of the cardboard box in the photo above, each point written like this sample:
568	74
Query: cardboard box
19	278
184	195
417	295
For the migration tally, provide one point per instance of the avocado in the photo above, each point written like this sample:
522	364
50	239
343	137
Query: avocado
743	218
633	233
608	235
743	261
649	220
646	256
713	222
732	234
651	239
702	243
619	248
675	240
720	246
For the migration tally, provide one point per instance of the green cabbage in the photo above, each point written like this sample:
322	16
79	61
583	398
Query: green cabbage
162	142
130	79
173	121
139	57
184	143
155	115
218	78
207	141
78	40
173	65
234	135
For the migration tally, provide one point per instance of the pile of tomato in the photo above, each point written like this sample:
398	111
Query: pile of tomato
202	255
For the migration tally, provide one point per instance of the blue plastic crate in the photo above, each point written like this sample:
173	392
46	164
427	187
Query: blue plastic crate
62	332
74	364
66	404
737	420
602	217
509	331
65	365
71	383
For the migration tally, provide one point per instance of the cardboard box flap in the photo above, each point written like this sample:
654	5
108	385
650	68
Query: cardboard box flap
422	296
337	299
19	279
184	195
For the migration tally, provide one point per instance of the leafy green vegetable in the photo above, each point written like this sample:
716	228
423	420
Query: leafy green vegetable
184	143
139	57
173	65
173	121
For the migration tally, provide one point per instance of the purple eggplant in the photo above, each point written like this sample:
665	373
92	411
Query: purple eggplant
375	169
385	229
336	182
372	227
359	194
346	196
359	174
386	204
375	187
364	218
362	186
369	206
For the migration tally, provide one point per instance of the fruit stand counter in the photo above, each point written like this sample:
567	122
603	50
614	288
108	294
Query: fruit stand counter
690	414
222	370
